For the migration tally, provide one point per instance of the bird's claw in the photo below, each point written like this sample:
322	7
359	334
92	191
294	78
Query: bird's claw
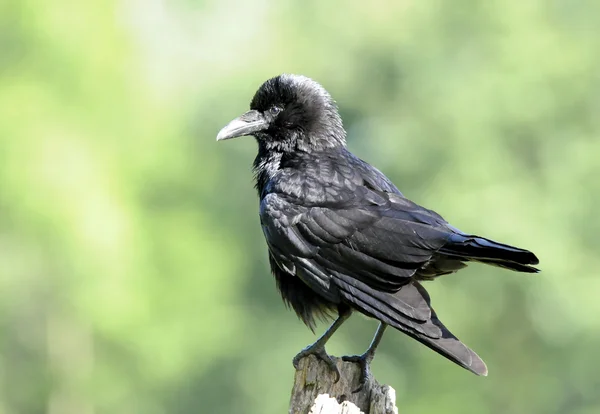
364	361
319	352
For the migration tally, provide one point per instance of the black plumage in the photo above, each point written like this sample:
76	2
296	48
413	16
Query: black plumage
341	236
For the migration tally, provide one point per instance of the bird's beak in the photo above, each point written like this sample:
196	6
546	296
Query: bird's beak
247	124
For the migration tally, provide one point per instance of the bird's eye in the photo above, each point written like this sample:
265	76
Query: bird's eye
275	110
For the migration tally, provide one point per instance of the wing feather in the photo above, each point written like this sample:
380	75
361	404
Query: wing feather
369	244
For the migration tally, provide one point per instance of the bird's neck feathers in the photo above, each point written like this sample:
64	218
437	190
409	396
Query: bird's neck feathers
325	134
266	164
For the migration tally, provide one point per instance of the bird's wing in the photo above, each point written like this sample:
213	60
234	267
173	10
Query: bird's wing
366	245
364	250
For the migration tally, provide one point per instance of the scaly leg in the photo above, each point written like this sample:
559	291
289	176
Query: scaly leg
365	359
318	348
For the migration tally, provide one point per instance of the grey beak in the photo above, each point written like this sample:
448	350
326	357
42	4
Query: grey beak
247	124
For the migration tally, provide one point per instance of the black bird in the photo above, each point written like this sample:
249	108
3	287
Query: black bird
341	236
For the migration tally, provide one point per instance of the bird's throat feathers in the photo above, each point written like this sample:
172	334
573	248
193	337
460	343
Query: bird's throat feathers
266	164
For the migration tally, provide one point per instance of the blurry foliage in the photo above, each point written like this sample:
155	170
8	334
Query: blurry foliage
133	274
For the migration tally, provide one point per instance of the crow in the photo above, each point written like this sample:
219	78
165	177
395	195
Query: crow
341	237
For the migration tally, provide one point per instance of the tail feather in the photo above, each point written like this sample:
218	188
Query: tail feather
447	344
487	251
430	332
452	348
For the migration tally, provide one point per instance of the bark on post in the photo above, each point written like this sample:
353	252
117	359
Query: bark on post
315	391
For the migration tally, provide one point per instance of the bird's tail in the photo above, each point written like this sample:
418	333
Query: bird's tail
452	348
409	310
468	247
437	337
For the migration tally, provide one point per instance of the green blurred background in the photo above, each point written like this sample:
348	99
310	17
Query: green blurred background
133	272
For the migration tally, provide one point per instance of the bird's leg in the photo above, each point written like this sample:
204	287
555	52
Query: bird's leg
365	359
318	348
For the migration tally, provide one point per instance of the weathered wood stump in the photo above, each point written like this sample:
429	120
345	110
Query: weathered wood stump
316	392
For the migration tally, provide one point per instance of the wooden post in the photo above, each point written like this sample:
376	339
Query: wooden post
315	390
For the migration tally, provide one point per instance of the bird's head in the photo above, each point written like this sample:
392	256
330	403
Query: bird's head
288	113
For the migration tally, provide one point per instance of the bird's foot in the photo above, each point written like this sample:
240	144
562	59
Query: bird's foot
318	350
364	361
